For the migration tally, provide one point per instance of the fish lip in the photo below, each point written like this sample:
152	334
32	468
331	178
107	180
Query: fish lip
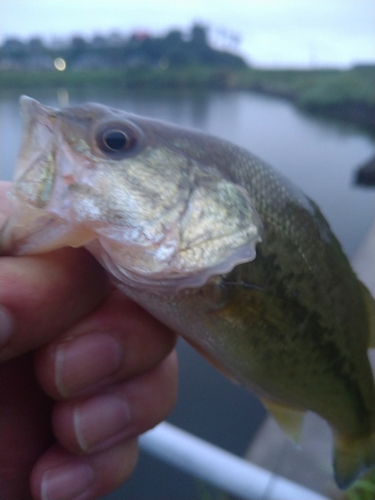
33	111
28	105
38	135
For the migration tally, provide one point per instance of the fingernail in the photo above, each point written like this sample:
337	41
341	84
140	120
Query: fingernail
85	361
6	326
67	482
99	419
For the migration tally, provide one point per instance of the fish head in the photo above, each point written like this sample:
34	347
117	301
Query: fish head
122	186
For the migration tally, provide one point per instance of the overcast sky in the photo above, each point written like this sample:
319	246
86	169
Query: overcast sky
300	33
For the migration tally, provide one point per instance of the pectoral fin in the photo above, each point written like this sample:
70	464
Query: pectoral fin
289	419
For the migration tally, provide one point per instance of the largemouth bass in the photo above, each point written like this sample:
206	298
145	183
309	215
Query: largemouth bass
218	246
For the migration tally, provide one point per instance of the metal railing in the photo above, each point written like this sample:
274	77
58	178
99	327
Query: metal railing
219	467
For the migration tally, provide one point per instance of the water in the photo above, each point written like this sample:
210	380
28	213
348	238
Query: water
318	156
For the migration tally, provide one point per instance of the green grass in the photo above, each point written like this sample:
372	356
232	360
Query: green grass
364	489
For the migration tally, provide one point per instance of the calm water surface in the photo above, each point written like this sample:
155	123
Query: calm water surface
319	157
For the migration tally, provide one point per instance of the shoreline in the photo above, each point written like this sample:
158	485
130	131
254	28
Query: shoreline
344	95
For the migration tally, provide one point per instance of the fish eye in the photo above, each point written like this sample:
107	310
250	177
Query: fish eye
116	139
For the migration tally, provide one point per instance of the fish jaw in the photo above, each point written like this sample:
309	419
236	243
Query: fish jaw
37	223
184	224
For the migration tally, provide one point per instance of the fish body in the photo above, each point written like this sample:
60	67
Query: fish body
218	246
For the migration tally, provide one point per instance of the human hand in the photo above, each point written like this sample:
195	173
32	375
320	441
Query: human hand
84	371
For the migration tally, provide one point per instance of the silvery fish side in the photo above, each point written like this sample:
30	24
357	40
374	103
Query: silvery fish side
217	245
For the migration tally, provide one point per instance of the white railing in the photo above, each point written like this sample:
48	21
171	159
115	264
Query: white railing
219	467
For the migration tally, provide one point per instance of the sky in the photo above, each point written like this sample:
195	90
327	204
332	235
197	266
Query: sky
271	33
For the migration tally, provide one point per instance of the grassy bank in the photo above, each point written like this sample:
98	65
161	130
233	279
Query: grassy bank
345	95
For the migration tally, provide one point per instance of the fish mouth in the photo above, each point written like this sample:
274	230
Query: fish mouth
35	225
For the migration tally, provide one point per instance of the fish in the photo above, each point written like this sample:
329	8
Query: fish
217	245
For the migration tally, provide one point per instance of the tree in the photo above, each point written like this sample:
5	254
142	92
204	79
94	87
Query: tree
36	45
199	35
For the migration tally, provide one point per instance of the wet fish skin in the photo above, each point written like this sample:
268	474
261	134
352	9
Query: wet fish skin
292	324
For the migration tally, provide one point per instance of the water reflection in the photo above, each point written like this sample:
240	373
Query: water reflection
62	97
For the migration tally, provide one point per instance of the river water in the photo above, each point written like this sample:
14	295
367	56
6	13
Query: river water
319	156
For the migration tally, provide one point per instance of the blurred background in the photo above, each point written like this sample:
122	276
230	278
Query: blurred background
290	80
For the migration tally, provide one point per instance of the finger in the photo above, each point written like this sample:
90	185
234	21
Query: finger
42	296
25	427
119	413
4	202
60	475
118	341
